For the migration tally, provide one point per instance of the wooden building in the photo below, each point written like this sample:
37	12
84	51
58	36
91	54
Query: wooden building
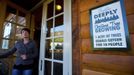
62	31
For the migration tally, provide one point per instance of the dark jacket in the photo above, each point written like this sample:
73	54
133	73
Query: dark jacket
20	48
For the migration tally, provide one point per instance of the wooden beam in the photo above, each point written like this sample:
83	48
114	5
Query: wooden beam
16	6
37	5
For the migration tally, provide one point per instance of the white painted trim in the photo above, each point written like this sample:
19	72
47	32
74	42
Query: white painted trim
42	41
67	44
67	38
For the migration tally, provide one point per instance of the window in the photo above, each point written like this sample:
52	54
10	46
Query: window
14	21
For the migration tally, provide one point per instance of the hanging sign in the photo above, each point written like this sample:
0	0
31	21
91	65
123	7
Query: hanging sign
108	26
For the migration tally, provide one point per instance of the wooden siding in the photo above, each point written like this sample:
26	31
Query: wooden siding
99	62
76	41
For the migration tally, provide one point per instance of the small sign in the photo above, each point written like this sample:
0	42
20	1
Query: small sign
108	26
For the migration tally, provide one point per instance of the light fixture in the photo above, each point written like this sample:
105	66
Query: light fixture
58	7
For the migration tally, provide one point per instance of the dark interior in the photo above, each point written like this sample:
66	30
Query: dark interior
26	4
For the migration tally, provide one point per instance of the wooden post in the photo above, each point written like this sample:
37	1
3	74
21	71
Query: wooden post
76	41
2	19
32	26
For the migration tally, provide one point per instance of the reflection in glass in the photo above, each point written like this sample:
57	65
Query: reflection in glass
59	6
8	30
11	14
47	68
49	29
58	69
58	50
59	27
5	44
18	32
50	9
49	47
21	19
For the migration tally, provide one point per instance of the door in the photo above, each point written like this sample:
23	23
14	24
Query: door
56	38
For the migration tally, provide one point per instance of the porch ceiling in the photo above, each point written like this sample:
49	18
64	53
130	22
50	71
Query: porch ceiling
26	4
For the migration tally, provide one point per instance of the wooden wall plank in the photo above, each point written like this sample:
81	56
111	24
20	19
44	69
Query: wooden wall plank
85	32
86	5
91	72
117	65
86	46
132	43
129	5
84	17
130	19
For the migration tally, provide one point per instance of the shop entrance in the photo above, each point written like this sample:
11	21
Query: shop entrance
55	44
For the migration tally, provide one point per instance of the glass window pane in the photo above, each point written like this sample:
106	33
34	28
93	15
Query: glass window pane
58	50
49	47
59	27
8	30
21	19
50	9
58	69
59	6
47	68
49	29
18	32
5	44
11	14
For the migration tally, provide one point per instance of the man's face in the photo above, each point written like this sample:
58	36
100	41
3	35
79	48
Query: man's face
25	34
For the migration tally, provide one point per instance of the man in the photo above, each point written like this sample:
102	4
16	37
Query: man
26	51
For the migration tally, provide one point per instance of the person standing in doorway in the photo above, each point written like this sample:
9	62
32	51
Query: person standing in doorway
26	52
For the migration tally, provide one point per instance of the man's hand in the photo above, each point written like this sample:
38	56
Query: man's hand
24	57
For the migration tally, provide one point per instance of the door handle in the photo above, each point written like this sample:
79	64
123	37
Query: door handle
41	65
